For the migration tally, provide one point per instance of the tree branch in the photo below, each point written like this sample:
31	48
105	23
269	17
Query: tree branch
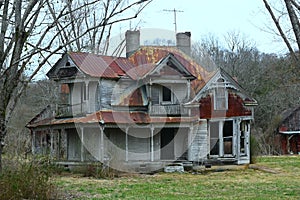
283	36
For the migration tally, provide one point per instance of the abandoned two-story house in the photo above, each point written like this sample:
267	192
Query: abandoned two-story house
152	107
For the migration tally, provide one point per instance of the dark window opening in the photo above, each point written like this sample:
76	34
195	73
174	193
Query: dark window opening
166	94
84	90
227	136
214	138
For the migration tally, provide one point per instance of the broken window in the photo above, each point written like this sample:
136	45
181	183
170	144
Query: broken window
166	94
228	136
214	138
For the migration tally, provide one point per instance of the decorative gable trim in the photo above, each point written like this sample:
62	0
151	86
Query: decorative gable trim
171	61
229	83
64	68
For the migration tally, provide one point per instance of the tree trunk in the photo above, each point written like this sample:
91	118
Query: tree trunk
294	20
2	136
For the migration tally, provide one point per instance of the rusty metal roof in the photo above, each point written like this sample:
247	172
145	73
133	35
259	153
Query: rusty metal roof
100	66
148	56
112	117
140	63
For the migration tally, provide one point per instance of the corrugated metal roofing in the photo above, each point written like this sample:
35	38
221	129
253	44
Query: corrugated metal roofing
100	66
140	63
112	117
151	55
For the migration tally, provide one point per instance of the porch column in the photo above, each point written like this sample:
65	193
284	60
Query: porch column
51	143
101	155
235	137
63	145
33	142
126	144
42	146
188	89
247	137
238	140
152	144
190	153
221	139
81	146
87	96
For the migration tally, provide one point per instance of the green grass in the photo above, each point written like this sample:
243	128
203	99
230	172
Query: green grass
230	184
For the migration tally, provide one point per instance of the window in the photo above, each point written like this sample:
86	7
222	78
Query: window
166	94
220	96
84	91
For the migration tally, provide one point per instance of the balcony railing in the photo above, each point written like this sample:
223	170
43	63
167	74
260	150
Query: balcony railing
68	110
168	110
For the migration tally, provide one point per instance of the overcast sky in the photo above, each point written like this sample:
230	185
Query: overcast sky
216	17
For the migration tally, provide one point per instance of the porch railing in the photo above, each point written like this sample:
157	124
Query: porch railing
168	110
68	110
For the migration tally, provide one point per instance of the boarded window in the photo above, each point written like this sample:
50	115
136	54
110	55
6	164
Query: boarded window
84	91
155	95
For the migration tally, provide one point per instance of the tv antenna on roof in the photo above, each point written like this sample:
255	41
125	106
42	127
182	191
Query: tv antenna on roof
174	11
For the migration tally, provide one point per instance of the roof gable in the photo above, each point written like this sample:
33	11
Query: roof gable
228	82
170	66
147	57
64	68
73	64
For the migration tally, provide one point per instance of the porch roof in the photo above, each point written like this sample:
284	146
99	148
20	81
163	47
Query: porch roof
113	117
289	132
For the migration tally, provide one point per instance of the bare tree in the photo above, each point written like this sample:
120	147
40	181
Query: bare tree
285	21
33	32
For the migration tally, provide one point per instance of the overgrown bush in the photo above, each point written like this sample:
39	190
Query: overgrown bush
254	149
27	180
100	171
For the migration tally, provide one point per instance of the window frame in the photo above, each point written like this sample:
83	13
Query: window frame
220	100
169	89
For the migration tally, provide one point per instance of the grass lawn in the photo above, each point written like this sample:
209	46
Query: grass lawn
221	184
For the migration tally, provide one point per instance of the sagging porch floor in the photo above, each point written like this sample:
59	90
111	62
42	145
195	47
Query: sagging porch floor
155	166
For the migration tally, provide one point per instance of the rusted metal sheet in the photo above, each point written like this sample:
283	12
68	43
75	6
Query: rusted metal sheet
151	55
289	131
235	107
112	117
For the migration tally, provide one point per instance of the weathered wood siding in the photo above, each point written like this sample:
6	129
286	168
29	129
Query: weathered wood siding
198	144
181	143
78	106
180	92
168	110
106	90
235	107
63	145
92	100
291	122
115	144
139	144
92	141
74	145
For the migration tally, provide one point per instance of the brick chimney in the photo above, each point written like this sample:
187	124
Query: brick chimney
183	42
132	39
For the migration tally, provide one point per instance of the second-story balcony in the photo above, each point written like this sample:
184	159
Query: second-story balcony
68	110
170	109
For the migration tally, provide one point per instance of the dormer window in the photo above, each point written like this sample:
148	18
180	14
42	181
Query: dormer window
220	95
162	95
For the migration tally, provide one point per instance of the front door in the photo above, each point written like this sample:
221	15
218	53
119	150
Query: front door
167	144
